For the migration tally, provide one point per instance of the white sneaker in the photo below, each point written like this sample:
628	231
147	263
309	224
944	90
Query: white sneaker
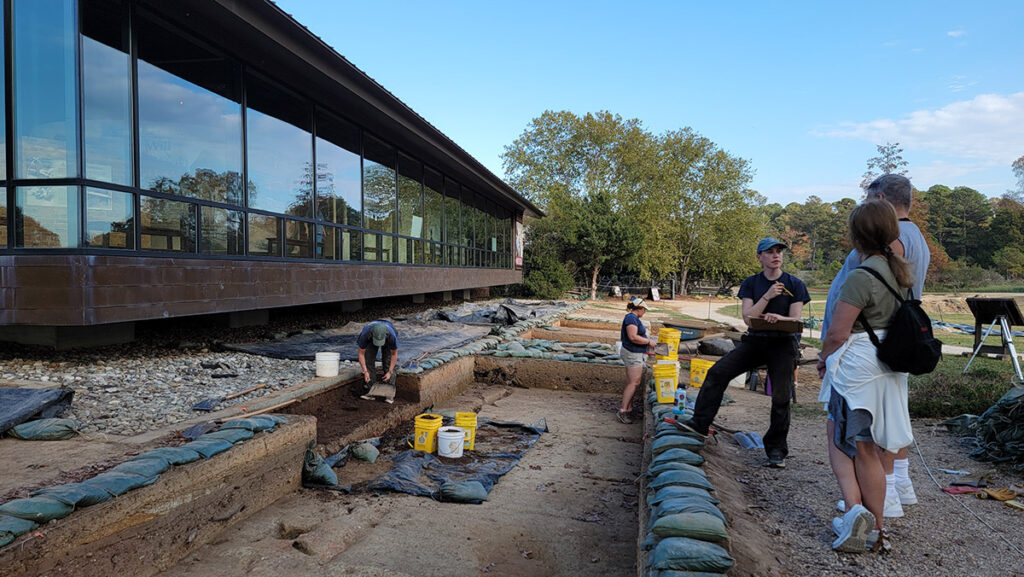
893	508
906	493
837	528
854	528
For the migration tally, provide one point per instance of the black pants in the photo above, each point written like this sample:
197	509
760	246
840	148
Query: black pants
779	354
385	359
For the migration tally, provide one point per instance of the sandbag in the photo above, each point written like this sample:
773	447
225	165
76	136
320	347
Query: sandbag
13	527
464	492
366	451
686	505
117	483
148	467
229	435
686	554
36	509
694	524
674	573
208	447
680	477
173	455
672	441
660	468
315	471
715	346
254	424
46	430
673	491
678	454
75	494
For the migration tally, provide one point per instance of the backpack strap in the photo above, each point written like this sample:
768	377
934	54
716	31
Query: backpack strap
876	274
863	320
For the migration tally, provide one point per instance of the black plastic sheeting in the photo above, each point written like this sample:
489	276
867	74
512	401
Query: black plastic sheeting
507	312
422	474
415	338
20	405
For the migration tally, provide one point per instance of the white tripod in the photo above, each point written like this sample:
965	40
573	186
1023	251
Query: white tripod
1007	337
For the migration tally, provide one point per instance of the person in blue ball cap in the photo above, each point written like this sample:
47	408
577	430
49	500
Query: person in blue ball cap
378	336
772	296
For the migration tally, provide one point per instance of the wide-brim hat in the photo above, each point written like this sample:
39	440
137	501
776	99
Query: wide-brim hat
638	302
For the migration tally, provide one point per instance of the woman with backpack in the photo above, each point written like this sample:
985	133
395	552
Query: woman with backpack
868	403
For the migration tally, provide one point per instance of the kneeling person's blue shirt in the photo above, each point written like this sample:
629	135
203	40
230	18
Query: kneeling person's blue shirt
366	336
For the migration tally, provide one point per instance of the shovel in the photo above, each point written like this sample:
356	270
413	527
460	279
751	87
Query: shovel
211	403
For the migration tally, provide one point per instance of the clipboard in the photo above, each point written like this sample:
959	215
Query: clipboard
793	327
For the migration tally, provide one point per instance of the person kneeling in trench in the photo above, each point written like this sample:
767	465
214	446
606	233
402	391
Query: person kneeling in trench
378	336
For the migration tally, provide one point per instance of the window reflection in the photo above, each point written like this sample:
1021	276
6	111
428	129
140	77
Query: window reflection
379	196
167	225
3	217
109	219
264	235
3	128
433	205
190	118
327	239
339	171
106	93
45	93
222	231
280	150
298	239
468	219
46	216
351	245
410	197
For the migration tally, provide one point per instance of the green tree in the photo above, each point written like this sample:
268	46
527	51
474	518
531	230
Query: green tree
1010	261
545	273
965	221
1018	171
889	161
595	234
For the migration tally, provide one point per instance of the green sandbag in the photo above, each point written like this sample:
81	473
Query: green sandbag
144	467
674	573
46	430
315	471
208	447
229	435
683	553
13	527
666	442
673	491
75	494
680	477
365	451
678	454
173	455
36	509
686	505
464	492
696	525
660	468
117	483
254	424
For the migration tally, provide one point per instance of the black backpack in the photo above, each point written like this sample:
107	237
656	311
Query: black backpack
909	346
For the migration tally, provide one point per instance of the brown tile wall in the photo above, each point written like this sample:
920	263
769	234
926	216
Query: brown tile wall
77	290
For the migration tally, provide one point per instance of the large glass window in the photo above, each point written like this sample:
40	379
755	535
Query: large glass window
106	92
327	240
379	195
3	127
433	205
452	223
190	117
109	219
3	216
468	218
410	197
46	216
298	239
264	235
280	148
338	172
45	89
222	231
167	225
371	247
351	245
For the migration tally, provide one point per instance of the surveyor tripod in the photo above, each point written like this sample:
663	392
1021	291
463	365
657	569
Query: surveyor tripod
1007	336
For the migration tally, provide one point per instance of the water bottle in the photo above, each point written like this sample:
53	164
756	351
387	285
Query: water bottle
680	400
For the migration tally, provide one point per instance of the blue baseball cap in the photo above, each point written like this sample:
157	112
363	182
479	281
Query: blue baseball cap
768	243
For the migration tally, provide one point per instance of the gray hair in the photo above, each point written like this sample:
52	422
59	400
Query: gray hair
895	188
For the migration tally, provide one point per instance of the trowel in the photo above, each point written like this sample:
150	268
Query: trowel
660	349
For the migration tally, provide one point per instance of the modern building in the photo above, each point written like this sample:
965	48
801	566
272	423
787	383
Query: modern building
190	157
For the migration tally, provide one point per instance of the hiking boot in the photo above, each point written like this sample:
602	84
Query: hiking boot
837	528
906	493
776	462
853	530
690	427
624	417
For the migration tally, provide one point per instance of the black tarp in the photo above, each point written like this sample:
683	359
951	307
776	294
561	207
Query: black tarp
507	312
20	405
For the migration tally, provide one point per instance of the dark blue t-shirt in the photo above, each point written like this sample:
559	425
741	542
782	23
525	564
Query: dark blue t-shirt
755	286
632	319
366	337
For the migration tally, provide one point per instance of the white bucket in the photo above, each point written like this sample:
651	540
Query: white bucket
449	442
327	364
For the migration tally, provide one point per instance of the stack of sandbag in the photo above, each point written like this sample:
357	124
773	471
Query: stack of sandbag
686	530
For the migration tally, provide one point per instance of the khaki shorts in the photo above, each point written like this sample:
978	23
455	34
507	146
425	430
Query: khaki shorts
631	359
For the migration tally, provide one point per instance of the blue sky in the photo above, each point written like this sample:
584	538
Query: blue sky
803	90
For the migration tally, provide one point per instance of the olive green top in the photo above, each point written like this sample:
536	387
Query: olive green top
865	292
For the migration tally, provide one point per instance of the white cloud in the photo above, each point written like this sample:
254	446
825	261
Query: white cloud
984	130
955	33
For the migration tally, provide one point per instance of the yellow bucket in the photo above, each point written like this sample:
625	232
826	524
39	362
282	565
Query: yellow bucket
699	371
467	421
670	337
425	438
666	379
